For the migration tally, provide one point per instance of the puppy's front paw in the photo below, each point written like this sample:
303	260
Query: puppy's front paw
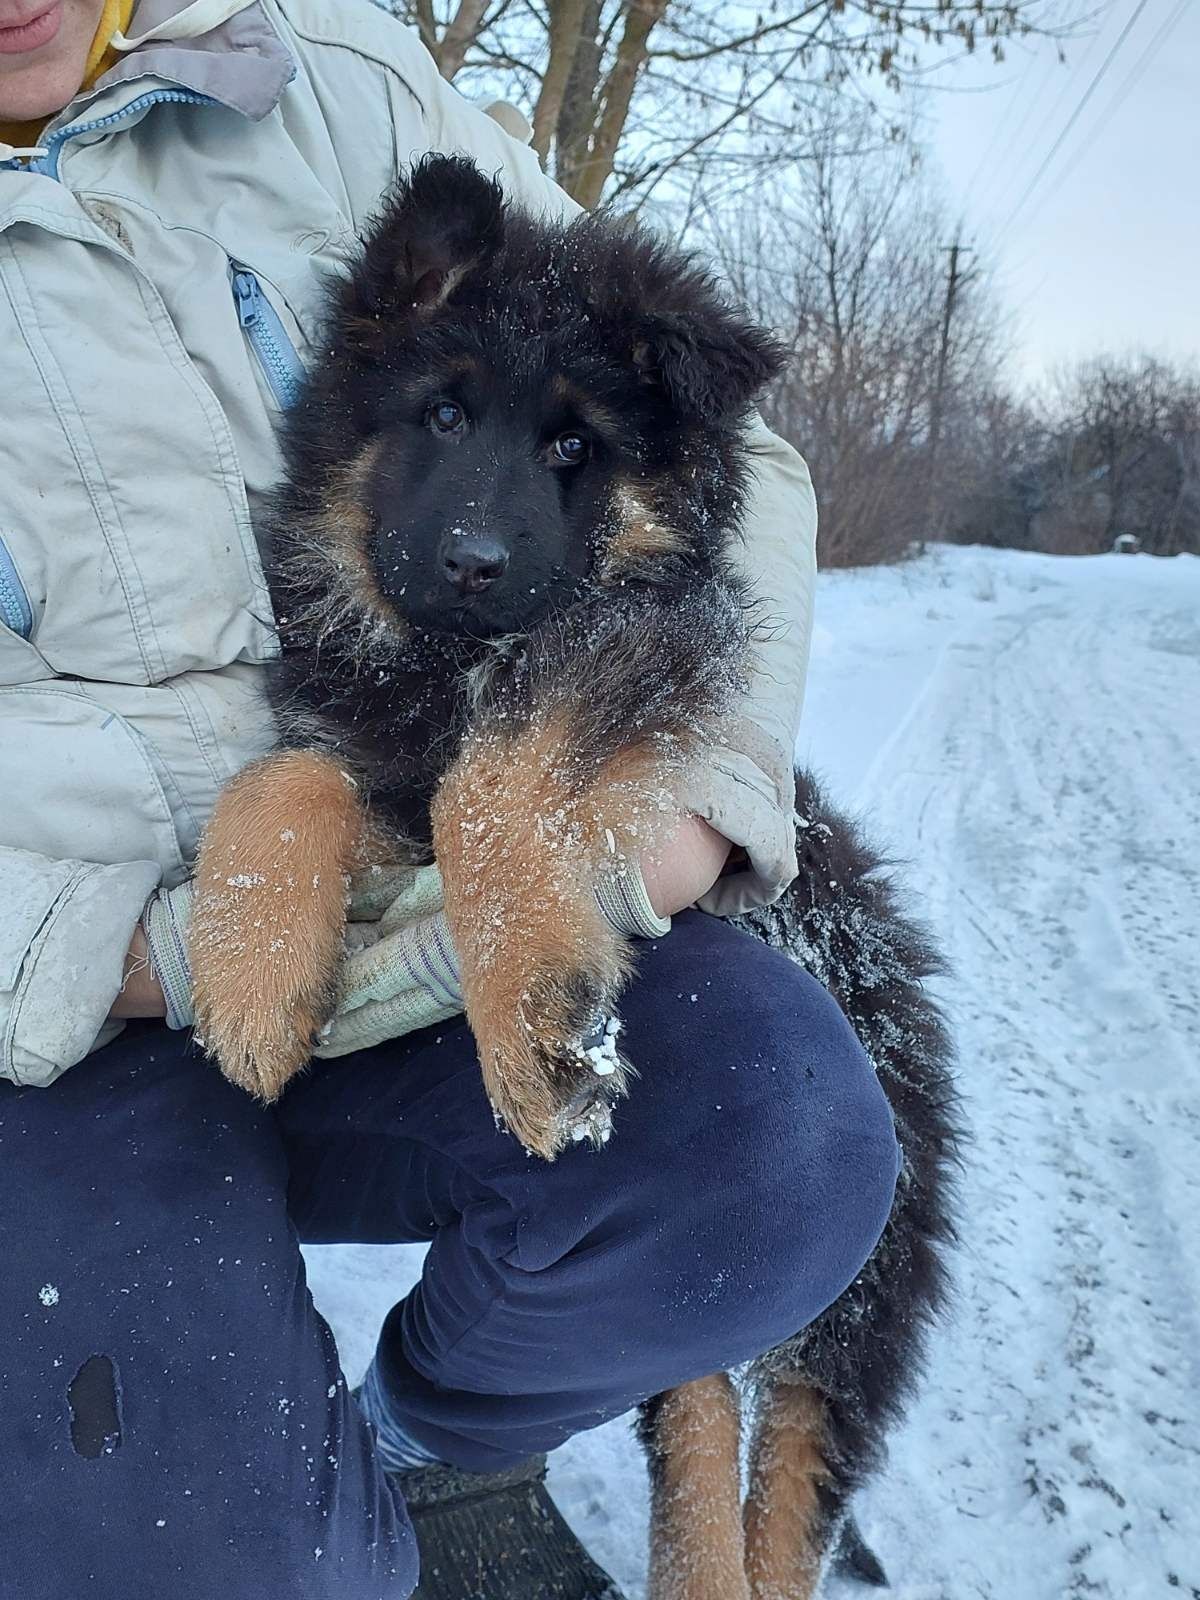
261	993
262	1047
552	1067
266	935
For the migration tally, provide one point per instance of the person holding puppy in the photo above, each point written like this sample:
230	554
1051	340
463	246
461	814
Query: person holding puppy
177	189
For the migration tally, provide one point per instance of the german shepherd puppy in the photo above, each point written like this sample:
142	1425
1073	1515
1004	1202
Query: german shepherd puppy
503	566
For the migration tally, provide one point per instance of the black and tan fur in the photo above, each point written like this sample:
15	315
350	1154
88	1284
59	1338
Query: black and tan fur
531	733
505	570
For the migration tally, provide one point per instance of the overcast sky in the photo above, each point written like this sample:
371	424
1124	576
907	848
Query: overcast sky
1105	252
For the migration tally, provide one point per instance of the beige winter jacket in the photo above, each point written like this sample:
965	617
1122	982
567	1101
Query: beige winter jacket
161	269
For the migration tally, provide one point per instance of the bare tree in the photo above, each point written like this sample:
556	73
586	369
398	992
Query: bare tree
626	95
1125	458
996	490
845	262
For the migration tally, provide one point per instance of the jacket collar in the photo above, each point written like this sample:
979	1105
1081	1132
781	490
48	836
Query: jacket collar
242	63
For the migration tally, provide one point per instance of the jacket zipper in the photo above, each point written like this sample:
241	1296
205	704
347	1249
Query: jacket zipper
47	165
263	327
15	611
275	351
268	337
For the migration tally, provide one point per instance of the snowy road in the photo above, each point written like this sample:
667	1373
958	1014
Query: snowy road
1025	733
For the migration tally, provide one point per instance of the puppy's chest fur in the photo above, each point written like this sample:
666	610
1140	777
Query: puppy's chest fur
397	723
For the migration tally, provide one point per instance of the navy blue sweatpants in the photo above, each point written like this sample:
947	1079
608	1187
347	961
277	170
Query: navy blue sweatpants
173	1419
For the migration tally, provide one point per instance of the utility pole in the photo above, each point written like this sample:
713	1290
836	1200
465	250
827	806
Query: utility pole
954	280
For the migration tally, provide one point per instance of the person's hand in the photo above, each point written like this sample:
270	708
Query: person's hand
684	867
158	977
401	971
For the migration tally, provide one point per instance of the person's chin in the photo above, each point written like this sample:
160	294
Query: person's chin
42	64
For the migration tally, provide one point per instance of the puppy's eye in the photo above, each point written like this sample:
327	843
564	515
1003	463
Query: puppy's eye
570	449
446	416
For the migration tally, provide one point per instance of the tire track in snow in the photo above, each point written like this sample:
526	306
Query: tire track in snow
1077	1331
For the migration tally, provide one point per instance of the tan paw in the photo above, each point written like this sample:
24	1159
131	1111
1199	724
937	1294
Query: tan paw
553	1067
260	996
263	1049
267	924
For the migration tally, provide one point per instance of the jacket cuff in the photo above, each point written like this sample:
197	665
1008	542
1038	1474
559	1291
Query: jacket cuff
625	905
165	922
735	796
72	971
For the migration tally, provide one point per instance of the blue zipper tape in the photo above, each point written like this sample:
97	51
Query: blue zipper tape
277	355
47	165
15	611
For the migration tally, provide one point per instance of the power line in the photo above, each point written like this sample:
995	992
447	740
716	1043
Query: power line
998	139
1077	113
1139	69
1136	73
1005	139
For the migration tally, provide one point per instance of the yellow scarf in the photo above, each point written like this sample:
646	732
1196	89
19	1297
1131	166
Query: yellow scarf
116	15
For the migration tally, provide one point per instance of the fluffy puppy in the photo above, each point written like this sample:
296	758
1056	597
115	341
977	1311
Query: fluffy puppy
502	566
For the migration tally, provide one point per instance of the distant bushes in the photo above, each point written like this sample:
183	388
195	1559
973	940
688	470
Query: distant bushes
892	355
1117	452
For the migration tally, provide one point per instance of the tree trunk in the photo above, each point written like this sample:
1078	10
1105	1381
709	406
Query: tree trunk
567	19
426	25
578	107
640	20
459	37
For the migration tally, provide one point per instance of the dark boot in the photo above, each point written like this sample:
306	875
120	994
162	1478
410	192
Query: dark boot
496	1536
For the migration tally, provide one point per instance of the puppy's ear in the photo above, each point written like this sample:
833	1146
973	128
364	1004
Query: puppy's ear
712	361
442	223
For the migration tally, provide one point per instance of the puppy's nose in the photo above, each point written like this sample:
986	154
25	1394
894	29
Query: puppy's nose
472	562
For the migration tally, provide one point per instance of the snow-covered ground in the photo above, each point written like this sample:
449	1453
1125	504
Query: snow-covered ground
1025	732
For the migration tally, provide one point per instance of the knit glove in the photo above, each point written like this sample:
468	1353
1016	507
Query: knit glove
165	920
408	977
400	972
380	902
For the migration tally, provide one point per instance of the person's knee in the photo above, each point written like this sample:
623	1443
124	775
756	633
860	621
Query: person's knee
820	1161
775	1158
